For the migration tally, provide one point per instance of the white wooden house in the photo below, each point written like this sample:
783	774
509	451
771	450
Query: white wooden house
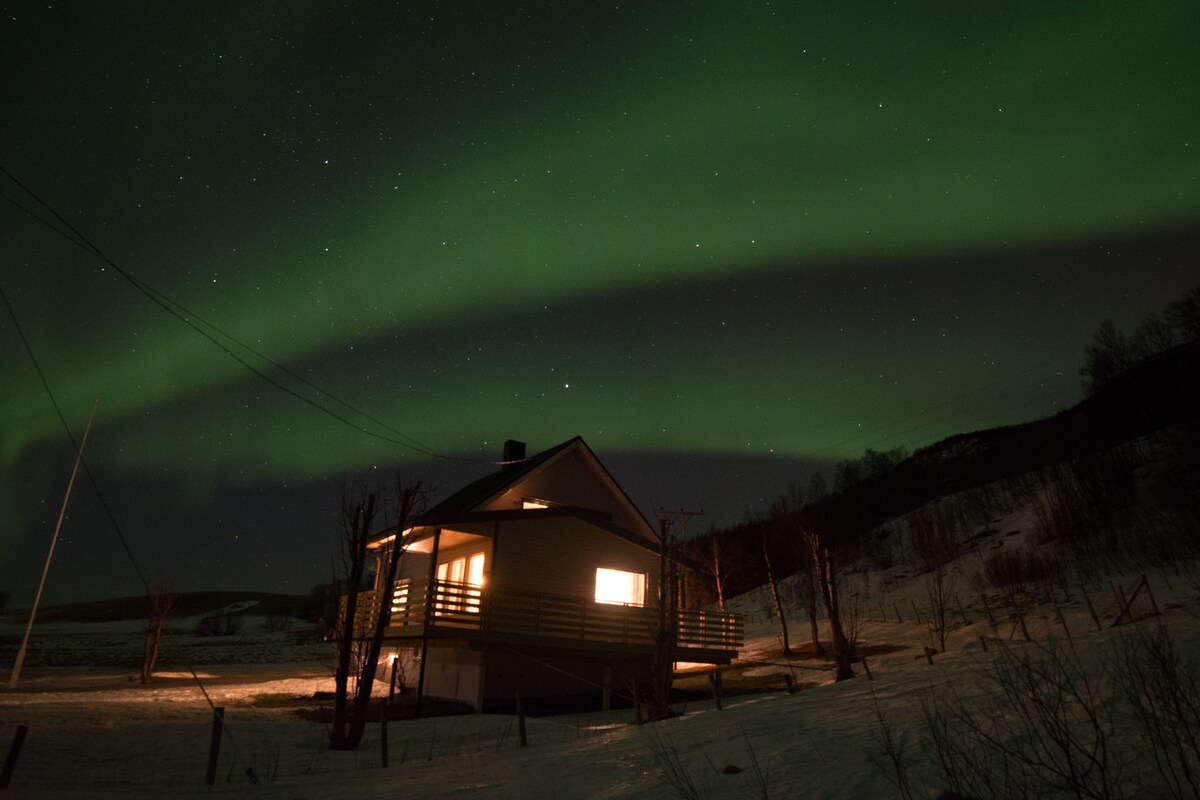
541	578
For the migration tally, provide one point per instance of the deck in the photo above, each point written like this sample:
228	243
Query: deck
467	612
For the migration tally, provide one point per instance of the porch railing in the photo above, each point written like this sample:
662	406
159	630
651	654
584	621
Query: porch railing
465	607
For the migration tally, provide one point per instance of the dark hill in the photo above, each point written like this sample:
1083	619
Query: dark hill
187	604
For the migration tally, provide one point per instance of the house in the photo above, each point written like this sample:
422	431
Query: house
539	579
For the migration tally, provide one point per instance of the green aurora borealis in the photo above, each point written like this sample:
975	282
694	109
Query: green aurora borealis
699	235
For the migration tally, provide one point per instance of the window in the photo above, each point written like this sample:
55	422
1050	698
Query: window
620	588
465	578
528	504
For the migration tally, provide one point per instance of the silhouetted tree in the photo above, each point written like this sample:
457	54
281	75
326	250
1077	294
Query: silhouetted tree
1109	353
161	600
1184	315
362	655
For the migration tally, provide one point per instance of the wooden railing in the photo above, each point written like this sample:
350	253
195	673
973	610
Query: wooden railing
545	616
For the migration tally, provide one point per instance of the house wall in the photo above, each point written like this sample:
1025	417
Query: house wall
538	676
450	672
560	556
573	480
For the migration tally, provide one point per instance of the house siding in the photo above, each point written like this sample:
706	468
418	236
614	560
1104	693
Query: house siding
560	556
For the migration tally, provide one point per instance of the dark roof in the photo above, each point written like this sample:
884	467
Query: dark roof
473	494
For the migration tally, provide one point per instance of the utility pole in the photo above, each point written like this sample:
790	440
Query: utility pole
664	519
16	671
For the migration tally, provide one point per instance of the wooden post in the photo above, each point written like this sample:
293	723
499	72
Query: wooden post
929	651
383	738
1150	594
1024	629
714	678
983	641
867	669
791	682
214	746
1091	608
987	607
1062	619
522	734
14	750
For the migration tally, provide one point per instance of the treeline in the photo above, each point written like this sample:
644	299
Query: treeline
1112	351
1133	442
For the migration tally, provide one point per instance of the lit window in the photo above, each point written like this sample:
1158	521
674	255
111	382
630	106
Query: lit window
528	504
460	579
617	587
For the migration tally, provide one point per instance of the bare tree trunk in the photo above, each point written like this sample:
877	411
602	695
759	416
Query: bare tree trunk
668	621
775	596
716	571
358	525
810	603
408	498
827	578
162	600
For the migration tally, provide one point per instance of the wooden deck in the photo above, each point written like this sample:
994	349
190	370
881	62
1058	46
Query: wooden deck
464	611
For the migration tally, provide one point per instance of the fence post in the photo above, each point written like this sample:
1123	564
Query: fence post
14	750
214	746
1091	608
522	736
715	679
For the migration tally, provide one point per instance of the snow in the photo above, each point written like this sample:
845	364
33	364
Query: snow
94	732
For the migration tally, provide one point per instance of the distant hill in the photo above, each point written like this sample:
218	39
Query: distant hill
187	604
1160	392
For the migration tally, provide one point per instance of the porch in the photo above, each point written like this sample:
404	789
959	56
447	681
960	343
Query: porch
468	612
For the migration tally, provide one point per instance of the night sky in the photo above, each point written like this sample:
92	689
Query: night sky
726	243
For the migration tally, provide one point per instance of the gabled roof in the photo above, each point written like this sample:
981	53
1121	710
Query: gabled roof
471	498
475	494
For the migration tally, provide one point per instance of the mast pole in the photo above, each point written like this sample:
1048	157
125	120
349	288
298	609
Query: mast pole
62	512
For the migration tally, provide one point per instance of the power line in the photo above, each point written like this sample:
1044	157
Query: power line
70	437
181	313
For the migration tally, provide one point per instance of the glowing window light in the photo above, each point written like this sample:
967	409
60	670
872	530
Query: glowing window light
620	588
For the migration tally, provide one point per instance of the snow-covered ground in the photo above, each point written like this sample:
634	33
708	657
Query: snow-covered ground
95	732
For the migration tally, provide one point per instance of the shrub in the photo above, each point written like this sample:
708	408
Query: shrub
219	624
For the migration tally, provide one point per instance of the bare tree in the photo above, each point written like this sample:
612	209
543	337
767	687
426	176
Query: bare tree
823	566
716	565
773	583
939	588
663	672
161	600
362	654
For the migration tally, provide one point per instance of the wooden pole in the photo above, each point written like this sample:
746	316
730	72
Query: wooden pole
714	678
62	512
961	612
983	641
522	734
867	669
383	735
1150	594
1091	608
430	604
1062	619
214	746
14	750
606	691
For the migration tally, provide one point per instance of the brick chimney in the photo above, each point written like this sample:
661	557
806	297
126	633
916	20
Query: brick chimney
513	451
